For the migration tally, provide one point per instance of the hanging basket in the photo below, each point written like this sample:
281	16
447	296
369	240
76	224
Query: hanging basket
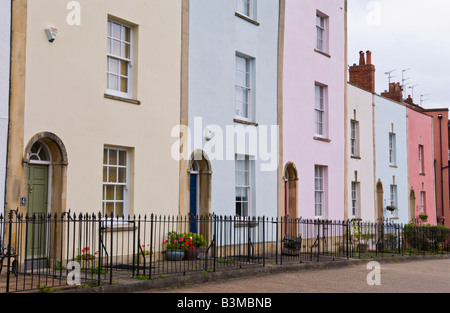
391	208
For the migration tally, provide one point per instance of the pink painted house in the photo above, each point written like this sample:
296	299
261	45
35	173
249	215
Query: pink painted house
420	164
314	70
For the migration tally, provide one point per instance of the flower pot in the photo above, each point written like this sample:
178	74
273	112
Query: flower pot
362	247
191	254
174	255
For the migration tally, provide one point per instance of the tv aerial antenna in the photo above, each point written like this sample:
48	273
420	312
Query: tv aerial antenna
389	74
412	90
404	79
423	100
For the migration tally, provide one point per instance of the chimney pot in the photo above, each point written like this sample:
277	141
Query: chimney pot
361	58
369	57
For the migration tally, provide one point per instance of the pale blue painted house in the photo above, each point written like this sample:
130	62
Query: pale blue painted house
391	159
233	52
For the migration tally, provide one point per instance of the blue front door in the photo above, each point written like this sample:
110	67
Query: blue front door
193	203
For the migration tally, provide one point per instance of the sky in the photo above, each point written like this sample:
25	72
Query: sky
411	38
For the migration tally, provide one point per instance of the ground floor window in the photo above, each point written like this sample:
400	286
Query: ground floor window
319	191
243	185
115	182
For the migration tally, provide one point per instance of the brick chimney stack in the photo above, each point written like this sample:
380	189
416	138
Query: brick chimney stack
395	92
363	75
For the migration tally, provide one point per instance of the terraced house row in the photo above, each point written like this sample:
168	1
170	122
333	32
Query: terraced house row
236	107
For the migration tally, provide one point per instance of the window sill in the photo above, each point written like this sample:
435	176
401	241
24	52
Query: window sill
321	139
111	97
246	224
394	166
248	19
355	157
236	120
422	174
322	53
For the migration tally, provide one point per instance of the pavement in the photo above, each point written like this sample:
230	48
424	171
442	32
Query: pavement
403	274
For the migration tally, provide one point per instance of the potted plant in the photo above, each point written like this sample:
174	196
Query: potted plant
423	217
361	238
391	208
192	243
174	246
86	259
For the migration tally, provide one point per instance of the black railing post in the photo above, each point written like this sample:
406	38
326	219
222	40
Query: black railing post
151	246
9	251
264	241
215	243
111	252
134	245
100	250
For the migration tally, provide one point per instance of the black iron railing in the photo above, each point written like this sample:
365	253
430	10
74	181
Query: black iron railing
44	252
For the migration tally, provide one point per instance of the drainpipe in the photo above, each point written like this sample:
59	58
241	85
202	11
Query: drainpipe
442	169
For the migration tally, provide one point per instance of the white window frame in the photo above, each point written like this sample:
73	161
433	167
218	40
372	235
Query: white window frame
125	185
321	28
421	163
392	149
242	4
355	193
394	197
121	58
242	105
246	172
422	201
354	138
320	110
319	191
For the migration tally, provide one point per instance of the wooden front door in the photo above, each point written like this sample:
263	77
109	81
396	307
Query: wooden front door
37	211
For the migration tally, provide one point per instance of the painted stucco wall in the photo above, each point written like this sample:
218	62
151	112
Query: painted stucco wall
65	87
420	132
391	116
440	137
216	34
360	109
5	34
303	67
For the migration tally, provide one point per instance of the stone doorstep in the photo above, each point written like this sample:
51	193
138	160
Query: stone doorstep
194	278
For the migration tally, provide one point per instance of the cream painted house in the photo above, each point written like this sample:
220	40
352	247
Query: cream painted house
360	155
92	110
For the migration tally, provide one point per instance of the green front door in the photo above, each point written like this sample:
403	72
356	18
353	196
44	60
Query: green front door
37	208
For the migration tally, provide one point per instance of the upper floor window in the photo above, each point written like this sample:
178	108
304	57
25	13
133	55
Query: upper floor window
354	138
320	110
243	87
392	149
246	7
119	55
421	160
321	24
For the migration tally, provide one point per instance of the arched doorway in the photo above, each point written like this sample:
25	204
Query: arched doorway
412	205
45	170
380	202
39	201
199	193
290	198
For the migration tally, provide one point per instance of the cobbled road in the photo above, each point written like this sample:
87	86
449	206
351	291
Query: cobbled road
426	276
